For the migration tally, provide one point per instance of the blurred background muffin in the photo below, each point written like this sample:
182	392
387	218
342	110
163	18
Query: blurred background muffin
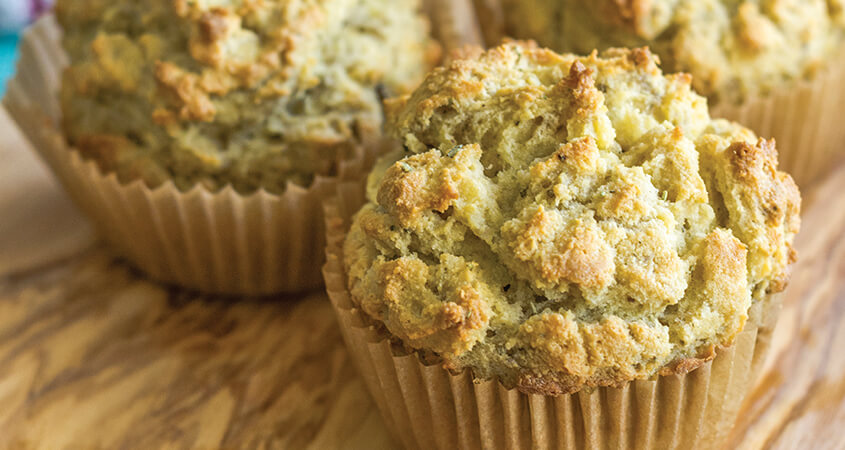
733	49
776	66
556	223
252	94
201	137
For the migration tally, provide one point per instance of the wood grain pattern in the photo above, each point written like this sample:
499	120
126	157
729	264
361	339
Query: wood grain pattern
800	399
93	355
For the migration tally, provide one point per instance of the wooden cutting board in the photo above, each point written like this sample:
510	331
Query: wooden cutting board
94	355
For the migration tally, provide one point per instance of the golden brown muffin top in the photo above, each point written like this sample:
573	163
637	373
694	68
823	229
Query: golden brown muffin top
733	48
559	221
252	93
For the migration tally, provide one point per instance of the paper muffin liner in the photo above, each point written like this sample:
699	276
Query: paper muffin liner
455	23
491	20
212	241
426	406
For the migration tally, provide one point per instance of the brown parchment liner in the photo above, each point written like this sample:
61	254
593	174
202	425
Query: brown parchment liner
805	117
425	406
212	241
455	23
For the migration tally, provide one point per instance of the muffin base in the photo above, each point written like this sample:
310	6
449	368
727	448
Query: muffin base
426	406
212	241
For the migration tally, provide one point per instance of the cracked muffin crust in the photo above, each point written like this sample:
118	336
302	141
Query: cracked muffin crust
732	48
249	93
558	221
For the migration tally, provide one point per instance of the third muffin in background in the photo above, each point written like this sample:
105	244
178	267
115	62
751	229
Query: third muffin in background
776	66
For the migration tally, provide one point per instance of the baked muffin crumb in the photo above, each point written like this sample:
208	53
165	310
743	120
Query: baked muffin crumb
557	221
252	94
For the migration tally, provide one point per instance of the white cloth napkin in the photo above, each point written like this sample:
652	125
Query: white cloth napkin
16	14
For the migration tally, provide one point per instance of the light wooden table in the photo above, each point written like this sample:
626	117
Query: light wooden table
93	355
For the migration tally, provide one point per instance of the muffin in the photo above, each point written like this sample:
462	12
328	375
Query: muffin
252	95
734	49
560	227
216	128
770	65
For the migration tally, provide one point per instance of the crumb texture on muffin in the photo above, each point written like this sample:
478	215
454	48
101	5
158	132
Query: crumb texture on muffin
733	48
559	221
249	93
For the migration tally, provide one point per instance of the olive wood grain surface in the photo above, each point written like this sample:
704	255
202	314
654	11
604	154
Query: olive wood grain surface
92	355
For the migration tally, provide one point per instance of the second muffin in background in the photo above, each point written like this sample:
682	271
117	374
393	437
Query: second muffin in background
201	137
254	95
555	224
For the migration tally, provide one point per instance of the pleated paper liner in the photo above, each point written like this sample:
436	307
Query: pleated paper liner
491	20
425	406
221	242
455	23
